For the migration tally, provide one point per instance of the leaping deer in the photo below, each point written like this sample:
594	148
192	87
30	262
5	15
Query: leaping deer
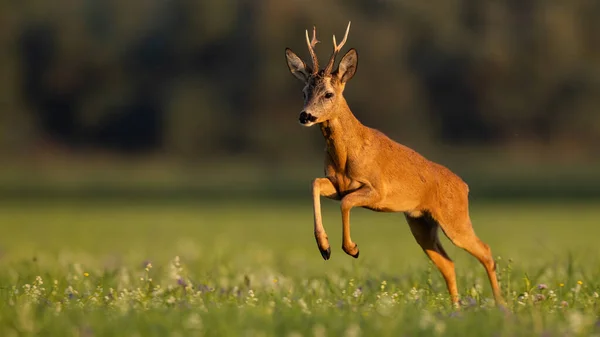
365	168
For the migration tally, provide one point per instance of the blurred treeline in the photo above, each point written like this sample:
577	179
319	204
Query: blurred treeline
196	80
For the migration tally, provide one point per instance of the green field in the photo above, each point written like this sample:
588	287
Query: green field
251	268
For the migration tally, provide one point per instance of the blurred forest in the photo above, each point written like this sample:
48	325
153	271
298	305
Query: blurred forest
206	81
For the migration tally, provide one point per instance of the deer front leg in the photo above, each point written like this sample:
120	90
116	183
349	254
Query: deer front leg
322	187
364	196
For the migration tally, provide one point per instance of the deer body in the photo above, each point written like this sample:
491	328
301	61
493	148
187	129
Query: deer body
357	155
365	168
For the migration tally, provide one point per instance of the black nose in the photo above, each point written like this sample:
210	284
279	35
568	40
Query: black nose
305	118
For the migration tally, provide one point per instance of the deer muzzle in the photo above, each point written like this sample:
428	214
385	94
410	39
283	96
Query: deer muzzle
306	118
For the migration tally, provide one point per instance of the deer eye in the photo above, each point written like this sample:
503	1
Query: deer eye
304	94
328	95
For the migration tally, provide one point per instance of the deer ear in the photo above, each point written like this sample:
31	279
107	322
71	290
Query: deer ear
348	65
297	66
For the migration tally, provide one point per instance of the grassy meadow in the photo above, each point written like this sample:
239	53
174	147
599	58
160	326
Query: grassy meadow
242	267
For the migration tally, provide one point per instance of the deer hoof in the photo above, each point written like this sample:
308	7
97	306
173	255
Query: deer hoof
325	253
352	252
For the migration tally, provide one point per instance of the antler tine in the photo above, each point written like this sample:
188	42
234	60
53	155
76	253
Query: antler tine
336	50
311	44
335	46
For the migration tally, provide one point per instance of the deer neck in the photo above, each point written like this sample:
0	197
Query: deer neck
341	134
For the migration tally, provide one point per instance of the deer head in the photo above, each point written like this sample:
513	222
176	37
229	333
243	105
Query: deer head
323	89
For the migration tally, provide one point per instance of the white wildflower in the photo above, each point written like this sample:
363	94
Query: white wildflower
302	304
384	305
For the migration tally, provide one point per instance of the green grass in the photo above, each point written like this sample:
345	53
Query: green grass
252	268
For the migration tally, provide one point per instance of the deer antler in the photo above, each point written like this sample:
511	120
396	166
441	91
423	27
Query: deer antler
311	45
336	50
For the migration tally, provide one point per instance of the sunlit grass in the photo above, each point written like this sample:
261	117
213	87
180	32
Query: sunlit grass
251	268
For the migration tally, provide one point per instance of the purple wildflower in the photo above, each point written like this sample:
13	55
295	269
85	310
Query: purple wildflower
469	302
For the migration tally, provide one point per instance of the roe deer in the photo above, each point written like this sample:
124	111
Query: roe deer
365	168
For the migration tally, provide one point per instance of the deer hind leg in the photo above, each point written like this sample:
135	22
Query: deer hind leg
322	187
460	232
425	232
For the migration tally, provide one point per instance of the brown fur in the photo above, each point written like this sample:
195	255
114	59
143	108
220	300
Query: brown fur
365	168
